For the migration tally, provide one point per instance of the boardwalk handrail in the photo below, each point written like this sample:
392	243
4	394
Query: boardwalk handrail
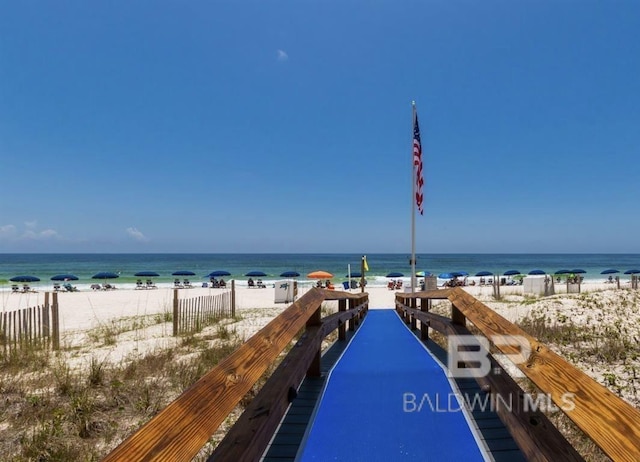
609	421
180	430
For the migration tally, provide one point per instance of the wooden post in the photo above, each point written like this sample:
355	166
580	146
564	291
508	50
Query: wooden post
425	305
457	317
175	312
352	323
342	332
46	326
314	367
414	321
55	321
233	298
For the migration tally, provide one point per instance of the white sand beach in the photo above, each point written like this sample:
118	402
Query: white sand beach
89	309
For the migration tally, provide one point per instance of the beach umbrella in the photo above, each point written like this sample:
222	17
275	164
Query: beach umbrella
609	271
24	279
536	272
64	277
218	273
105	275
511	272
484	273
320	275
356	274
460	274
255	274
422	274
577	271
395	275
563	271
289	274
445	275
631	271
146	274
183	273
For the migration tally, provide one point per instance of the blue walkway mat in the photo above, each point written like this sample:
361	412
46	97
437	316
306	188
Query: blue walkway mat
387	398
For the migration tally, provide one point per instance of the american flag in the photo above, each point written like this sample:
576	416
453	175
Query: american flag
417	162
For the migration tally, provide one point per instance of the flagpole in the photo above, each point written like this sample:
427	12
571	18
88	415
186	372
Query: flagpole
413	207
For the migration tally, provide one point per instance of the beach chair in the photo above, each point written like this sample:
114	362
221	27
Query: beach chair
250	283
260	284
177	284
56	287
398	284
151	284
187	284
95	287
15	288
391	285
26	288
69	288
139	284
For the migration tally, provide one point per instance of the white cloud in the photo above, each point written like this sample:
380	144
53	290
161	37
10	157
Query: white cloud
7	231
137	235
282	55
30	233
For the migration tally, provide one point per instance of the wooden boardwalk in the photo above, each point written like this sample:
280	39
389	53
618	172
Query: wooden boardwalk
289	436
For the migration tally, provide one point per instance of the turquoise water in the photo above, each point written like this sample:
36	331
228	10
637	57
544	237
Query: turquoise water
85	266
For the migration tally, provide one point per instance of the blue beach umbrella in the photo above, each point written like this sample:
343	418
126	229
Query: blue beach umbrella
511	272
105	275
536	272
445	276
460	274
218	273
395	275
64	277
289	274
609	271
255	274
484	273
146	274
422	274
631	271
183	273
24	279
578	271
563	271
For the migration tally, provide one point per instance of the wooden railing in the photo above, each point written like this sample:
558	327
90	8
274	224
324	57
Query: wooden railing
179	431
36	326
610	422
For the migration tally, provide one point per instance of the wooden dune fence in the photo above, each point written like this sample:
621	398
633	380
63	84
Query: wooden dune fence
192	314
37	326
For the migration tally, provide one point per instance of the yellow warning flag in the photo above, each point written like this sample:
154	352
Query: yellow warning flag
364	263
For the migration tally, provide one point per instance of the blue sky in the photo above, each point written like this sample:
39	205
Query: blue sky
285	126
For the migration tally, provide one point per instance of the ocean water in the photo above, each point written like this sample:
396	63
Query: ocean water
44	266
